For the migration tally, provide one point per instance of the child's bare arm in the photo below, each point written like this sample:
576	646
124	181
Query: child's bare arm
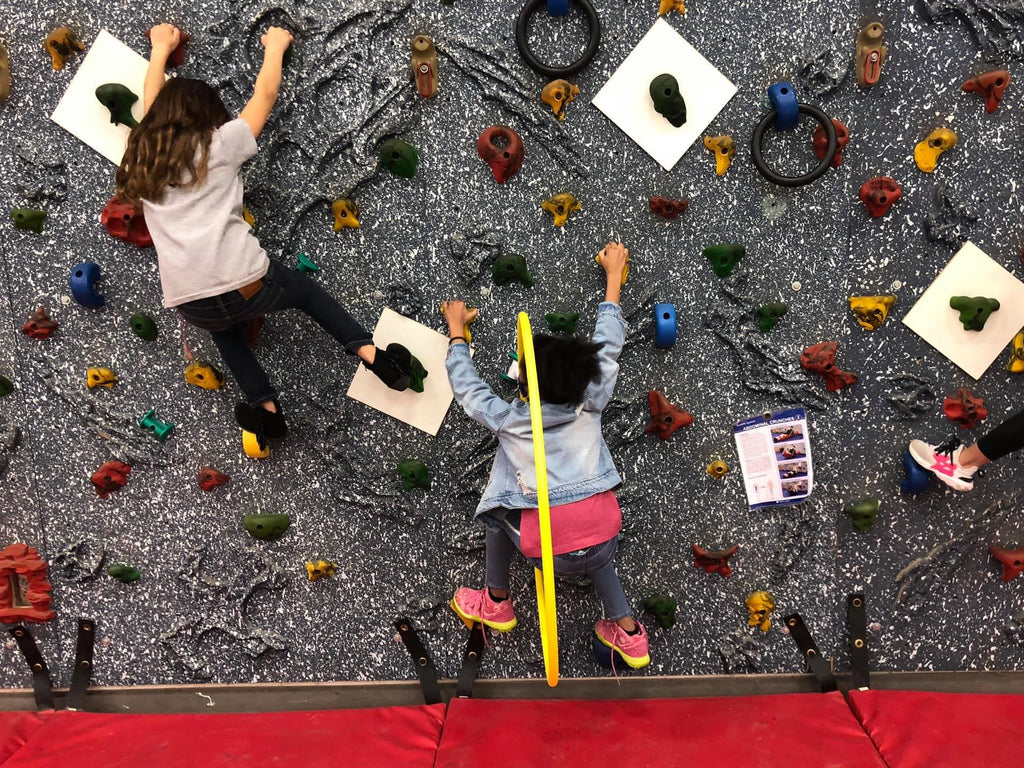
164	38
268	81
613	258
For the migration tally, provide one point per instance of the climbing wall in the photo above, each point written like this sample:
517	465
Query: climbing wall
214	604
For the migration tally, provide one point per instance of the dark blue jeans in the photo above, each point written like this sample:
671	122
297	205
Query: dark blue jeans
225	317
596	563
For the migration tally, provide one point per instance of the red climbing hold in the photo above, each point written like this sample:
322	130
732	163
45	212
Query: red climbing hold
821	359
209	478
177	57
1012	560
502	149
965	408
820	142
667	207
665	417
39	325
991	86
109	477
126	222
879	193
24	588
716	561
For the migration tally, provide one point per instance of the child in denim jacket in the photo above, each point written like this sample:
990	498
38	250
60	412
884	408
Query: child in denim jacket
576	378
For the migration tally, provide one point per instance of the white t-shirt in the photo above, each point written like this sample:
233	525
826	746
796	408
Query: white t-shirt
204	247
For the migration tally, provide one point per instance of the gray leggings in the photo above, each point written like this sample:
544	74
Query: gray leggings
594	562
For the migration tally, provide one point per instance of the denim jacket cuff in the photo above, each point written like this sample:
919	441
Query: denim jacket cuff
608	307
455	350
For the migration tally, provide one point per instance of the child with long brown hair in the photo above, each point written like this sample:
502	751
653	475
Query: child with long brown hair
181	166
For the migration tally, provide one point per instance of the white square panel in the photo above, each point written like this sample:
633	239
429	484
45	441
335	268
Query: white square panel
424	410
969	273
108	60
626	98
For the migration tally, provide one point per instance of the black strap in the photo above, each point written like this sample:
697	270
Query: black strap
421	661
83	664
857	628
471	659
41	685
802	637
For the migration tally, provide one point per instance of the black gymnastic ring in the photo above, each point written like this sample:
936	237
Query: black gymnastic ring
815	173
536	64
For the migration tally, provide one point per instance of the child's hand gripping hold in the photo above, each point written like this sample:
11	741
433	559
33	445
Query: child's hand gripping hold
459	316
614	258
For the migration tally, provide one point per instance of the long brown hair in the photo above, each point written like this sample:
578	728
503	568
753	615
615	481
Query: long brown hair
161	150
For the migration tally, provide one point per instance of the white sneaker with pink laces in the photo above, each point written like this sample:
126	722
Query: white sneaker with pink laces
944	462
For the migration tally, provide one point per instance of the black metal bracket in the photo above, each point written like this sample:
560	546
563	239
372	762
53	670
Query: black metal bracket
471	659
821	668
421	661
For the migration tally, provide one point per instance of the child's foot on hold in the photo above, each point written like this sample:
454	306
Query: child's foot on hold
392	370
944	462
260	421
632	648
478	605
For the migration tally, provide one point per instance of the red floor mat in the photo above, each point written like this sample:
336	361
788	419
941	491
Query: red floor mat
799	730
915	729
404	737
15	730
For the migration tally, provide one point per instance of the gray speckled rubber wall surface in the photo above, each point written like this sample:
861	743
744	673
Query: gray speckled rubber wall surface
214	604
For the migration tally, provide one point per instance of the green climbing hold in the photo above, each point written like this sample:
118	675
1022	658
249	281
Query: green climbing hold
974	311
123	573
562	322
663	608
28	218
266	527
414	474
769	314
862	513
6	386
724	257
511	267
118	99
144	327
400	158
417	373
306	264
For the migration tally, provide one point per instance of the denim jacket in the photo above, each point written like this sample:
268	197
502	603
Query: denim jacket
578	461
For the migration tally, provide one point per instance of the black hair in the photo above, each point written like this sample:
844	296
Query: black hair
565	367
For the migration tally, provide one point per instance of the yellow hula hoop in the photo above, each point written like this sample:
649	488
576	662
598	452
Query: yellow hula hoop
545	576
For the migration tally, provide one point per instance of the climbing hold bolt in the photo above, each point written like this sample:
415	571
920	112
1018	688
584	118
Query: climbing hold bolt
99	377
927	151
203	374
424	65
666	418
724	148
83	284
871	53
400	158
266	527
560	206
821	359
144	327
161	430
28	218
558	94
414	474
509	267
319	569
665	325
668	101
724	257
562	322
346	214
871	311
118	99
862	513
974	311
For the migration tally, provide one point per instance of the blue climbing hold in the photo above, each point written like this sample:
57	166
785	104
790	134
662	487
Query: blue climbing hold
918	477
558	7
83	285
664	325
783	100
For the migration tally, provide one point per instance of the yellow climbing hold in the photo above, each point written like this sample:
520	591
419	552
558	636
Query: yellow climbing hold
319	569
202	374
560	206
871	311
1016	362
667	6
926	153
724	148
99	377
718	469
760	606
346	214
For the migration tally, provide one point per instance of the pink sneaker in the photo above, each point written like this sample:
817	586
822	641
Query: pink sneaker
632	648
476	605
